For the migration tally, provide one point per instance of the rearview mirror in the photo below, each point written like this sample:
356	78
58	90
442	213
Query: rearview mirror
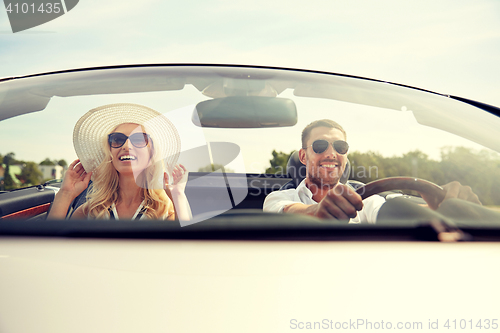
245	112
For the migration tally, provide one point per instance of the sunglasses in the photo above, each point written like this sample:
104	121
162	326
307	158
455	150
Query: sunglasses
138	140
320	146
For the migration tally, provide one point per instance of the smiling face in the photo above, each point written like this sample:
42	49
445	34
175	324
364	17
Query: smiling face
129	159
324	169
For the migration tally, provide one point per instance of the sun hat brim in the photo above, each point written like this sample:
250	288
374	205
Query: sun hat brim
92	129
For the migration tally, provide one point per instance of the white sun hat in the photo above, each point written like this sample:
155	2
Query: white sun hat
90	135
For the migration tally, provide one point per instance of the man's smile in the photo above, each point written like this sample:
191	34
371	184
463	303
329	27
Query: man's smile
329	164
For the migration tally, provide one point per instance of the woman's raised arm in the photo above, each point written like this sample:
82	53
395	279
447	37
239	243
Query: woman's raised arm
177	188
75	181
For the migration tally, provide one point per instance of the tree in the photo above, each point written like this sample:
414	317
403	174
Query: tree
7	159
9	183
479	170
47	161
278	163
30	174
62	163
366	167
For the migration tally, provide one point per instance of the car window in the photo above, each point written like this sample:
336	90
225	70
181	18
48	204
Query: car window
391	130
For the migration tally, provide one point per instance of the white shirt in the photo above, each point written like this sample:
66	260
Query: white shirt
276	201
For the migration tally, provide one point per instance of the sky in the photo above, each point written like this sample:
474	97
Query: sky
447	46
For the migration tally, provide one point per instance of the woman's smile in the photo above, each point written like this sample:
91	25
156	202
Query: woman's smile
128	158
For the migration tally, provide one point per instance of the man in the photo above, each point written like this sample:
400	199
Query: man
320	194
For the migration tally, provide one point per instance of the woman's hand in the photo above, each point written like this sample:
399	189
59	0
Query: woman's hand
180	177
75	180
176	189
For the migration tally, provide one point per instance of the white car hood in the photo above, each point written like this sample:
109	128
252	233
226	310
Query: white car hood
80	285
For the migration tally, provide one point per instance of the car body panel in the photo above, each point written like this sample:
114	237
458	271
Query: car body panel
61	285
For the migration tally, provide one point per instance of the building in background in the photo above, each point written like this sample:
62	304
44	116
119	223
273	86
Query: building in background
52	171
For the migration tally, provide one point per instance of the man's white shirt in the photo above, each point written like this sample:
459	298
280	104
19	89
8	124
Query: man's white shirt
276	201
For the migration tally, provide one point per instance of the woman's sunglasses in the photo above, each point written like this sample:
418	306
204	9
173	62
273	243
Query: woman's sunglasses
320	146
138	140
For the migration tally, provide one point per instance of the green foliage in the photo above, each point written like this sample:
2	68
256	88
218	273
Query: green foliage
8	181
215	167
30	174
479	170
47	161
27	173
367	167
278	163
9	158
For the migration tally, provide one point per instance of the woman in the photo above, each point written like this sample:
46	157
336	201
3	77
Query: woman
124	148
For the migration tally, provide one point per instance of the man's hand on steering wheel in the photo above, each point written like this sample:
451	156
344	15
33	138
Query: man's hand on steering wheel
341	203
453	190
433	194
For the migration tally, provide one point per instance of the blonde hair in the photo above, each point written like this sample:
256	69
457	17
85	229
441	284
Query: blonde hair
105	188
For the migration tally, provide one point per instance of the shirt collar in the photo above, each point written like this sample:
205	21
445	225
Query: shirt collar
302	189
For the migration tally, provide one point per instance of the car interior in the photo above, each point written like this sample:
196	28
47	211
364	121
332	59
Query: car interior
232	117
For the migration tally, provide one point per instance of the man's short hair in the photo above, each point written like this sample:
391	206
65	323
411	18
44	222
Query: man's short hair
320	123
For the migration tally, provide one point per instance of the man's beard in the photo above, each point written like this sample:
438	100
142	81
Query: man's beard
327	183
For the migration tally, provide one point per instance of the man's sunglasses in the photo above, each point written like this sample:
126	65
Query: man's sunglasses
138	140
320	146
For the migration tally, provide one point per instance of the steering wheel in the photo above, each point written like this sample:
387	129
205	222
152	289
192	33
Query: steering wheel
433	192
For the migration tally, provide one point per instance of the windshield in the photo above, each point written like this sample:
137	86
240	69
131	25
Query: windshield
238	127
